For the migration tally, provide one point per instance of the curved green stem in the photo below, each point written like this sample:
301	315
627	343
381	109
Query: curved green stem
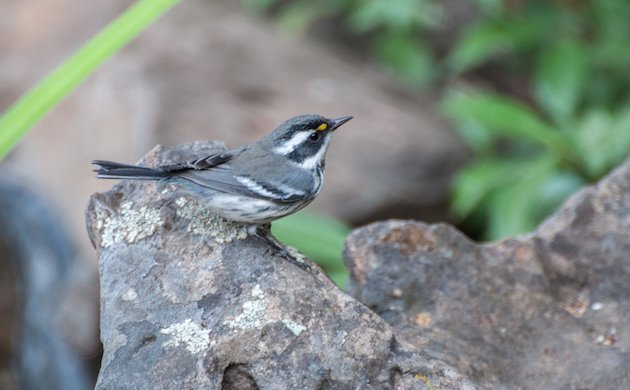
41	99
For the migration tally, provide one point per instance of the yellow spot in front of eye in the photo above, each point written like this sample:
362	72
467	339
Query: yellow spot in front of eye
321	127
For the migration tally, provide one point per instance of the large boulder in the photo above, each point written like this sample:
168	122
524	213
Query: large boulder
548	309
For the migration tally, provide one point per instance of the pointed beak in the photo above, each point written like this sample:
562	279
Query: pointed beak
340	121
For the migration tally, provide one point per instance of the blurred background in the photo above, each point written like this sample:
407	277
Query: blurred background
482	113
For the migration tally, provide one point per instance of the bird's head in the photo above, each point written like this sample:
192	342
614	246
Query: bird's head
304	139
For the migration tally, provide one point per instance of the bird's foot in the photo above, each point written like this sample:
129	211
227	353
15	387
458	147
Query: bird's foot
275	247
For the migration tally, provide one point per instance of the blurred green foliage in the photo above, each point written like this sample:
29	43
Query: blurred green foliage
319	238
572	127
566	125
397	27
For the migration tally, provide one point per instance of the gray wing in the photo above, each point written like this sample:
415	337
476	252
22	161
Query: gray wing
215	172
205	162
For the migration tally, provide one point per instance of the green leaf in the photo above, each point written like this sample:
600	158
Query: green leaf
592	133
339	277
409	57
506	117
473	183
398	15
560	78
512	208
476	136
603	139
555	190
35	104
477	45
493	38
319	238
259	5
296	17
491	7
620	137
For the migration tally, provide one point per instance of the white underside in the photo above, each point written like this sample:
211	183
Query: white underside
249	210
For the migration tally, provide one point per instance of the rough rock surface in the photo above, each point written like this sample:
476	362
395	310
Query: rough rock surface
189	300
548	310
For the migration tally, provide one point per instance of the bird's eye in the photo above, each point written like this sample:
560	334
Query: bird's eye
315	136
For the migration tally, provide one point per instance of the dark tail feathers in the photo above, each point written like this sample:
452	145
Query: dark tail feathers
114	170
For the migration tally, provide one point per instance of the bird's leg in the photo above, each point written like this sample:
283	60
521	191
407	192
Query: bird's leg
276	248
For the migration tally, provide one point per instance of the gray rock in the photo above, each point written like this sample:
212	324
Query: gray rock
189	300
545	310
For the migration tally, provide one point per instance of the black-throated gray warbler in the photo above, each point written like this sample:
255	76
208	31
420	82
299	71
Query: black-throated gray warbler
275	176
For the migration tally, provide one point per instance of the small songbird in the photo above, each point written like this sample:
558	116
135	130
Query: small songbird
275	176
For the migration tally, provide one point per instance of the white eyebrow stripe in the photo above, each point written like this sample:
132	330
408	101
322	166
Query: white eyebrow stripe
293	143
